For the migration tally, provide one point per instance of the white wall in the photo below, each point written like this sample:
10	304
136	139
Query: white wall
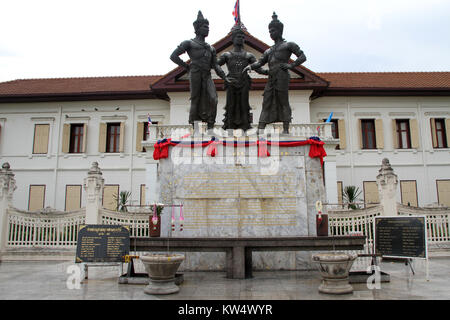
57	169
354	166
423	164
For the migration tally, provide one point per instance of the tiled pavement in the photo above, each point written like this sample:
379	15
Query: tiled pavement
47	281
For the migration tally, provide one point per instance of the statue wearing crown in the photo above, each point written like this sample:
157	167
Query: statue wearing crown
275	107
237	108
203	58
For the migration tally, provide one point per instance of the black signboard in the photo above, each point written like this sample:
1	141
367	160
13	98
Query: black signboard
403	237
102	243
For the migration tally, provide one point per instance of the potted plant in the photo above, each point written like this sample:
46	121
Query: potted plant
351	194
122	200
155	219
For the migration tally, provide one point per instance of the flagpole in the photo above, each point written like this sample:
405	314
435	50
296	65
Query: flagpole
239	11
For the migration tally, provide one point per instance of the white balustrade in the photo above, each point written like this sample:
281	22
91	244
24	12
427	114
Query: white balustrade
438	221
343	222
137	222
302	130
49	230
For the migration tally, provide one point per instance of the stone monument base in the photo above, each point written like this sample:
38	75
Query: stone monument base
241	193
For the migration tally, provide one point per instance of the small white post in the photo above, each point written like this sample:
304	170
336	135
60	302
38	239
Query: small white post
387	187
7	187
93	185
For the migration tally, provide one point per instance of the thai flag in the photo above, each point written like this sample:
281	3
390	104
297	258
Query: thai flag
236	14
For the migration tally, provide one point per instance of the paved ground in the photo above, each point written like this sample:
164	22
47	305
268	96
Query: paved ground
48	281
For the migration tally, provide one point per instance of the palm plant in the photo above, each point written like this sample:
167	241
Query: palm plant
351	194
122	200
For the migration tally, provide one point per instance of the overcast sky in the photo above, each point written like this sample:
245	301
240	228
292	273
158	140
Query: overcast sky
79	38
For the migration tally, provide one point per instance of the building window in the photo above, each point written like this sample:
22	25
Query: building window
73	197
403	134
371	195
408	192
113	137
142	135
36	197
40	142
146	132
334	130
443	192
368	134
142	197
439	133
111	196
76	138
340	192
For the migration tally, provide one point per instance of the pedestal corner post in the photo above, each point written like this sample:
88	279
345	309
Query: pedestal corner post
7	187
387	182
93	185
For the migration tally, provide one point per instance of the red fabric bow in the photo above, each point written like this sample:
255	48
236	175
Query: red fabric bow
212	149
316	147
316	150
262	150
161	149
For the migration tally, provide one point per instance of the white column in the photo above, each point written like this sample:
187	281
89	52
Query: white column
330	173
151	168
151	182
387	187
7	187
93	186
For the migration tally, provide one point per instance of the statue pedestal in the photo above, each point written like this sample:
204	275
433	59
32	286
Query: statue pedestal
238	194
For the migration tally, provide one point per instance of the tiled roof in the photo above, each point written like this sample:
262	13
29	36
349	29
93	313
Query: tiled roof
129	85
387	80
67	86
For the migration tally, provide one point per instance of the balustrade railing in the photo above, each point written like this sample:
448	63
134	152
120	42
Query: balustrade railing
60	229
49	230
302	130
137	221
344	222
437	219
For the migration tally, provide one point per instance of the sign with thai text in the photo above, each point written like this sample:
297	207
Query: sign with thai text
102	243
403	237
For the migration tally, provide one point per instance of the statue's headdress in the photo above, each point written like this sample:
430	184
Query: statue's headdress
200	21
238	28
276	23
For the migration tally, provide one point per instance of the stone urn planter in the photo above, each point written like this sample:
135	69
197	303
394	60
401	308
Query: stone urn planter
334	268
161	269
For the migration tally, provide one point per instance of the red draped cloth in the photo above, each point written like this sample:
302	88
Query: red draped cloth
316	149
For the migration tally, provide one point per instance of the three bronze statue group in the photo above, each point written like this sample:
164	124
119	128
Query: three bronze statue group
203	95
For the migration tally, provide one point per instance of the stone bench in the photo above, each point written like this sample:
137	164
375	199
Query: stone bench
239	250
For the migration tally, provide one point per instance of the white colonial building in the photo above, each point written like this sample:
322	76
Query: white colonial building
52	130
